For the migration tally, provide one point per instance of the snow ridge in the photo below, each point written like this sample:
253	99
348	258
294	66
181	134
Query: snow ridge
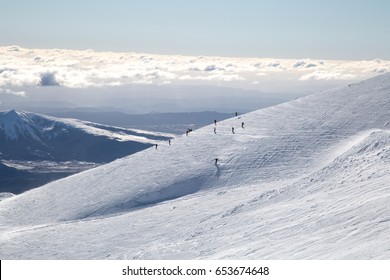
309	178
17	124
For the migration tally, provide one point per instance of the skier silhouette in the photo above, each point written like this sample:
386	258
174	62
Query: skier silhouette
215	122
217	167
156	146
233	130
169	142
188	131
242	124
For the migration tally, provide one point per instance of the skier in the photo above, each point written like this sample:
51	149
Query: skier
242	124
169	142
215	122
216	161
156	146
233	130
236	114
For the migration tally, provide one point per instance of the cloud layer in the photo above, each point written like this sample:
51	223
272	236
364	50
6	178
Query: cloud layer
20	67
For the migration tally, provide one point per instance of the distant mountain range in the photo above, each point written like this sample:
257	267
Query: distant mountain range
176	123
30	138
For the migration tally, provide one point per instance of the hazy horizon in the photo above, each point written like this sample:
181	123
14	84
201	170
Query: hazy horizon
141	83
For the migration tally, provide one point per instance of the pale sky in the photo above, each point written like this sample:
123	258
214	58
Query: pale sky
331	29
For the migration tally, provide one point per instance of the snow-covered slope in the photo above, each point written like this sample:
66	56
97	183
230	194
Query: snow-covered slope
31	136
304	179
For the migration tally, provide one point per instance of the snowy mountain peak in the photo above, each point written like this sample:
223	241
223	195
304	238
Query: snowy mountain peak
14	116
30	136
16	124
11	114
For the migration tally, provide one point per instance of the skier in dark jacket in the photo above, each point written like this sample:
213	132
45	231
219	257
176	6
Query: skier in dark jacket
188	131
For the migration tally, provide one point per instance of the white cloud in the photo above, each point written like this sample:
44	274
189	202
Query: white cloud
321	75
11	92
22	67
210	68
274	64
48	79
13	48
307	63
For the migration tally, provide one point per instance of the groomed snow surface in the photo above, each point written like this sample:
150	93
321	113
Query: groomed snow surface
307	179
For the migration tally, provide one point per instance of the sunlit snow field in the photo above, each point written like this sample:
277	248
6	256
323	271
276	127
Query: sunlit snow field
307	179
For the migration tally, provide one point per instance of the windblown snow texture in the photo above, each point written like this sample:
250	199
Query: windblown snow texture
307	179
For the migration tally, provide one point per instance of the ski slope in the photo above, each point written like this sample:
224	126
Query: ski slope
307	179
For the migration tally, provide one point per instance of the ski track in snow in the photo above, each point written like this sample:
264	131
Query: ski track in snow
307	179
